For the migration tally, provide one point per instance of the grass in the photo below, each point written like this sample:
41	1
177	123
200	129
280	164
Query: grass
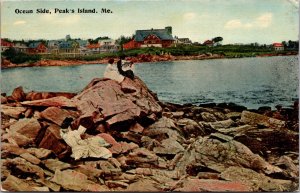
228	51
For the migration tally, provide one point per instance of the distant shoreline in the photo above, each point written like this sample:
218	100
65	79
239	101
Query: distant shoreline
5	64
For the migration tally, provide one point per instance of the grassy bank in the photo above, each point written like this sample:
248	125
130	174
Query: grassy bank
226	51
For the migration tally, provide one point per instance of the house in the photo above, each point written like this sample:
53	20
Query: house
82	46
108	45
93	48
208	43
185	41
151	38
5	45
20	47
37	48
278	46
66	47
53	46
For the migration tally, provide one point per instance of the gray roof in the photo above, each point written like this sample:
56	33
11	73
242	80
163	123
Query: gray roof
82	42
34	44
65	45
140	35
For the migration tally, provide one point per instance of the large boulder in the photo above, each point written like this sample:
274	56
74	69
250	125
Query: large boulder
105	100
218	152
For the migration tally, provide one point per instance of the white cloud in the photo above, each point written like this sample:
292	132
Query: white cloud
233	24
263	21
19	22
189	16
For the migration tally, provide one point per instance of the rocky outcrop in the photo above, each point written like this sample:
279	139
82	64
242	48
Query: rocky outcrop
119	137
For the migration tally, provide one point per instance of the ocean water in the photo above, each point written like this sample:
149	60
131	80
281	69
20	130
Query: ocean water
252	82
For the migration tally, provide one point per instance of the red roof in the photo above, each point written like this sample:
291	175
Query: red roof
277	45
91	46
208	42
6	43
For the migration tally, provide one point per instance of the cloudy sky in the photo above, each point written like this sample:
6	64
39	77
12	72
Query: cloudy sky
237	21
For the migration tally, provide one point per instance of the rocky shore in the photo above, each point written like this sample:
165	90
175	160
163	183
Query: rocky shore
138	59
120	137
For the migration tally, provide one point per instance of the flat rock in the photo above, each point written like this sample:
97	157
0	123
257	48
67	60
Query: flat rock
8	148
257	181
25	166
258	119
17	139
56	115
142	157
54	164
59	101
218	154
40	153
32	159
14	184
143	185
27	127
14	112
221	124
168	146
76	181
204	185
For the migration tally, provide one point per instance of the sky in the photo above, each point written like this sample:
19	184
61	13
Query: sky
237	21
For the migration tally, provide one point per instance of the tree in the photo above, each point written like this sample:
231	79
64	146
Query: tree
123	40
217	39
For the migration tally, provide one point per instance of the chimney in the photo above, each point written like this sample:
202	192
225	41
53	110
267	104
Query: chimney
169	29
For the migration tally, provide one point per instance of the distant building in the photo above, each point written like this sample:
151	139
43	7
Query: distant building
208	43
185	41
68	37
108	45
5	45
278	46
53	46
20	47
37	48
66	47
151	38
93	48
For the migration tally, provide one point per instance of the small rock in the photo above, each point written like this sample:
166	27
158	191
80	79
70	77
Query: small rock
18	94
27	127
30	158
208	117
14	112
54	164
53	141
14	184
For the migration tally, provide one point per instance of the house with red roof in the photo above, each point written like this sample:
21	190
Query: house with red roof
93	48
5	45
151	38
208	43
37	48
278	46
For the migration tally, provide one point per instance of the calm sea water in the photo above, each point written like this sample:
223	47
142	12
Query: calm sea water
252	82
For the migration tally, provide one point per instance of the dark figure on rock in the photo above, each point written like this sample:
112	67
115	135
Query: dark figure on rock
127	65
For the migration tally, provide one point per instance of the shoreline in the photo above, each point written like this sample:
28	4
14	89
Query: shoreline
5	64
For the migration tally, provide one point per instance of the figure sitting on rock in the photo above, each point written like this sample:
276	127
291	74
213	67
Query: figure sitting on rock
125	68
112	72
